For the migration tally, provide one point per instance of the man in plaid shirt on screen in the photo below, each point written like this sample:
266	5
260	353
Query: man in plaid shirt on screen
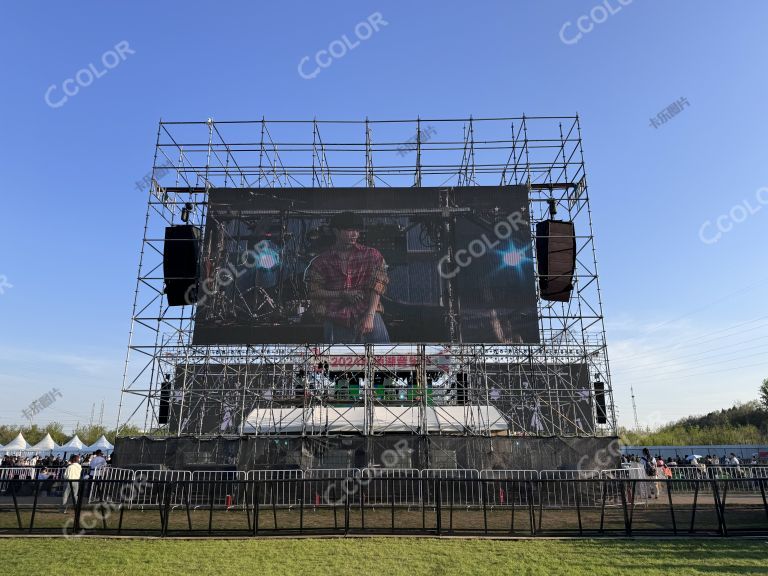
346	283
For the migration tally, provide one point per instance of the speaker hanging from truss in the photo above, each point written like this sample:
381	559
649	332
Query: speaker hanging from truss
556	253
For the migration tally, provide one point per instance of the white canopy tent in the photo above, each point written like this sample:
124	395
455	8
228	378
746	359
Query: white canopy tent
45	445
73	445
18	444
101	444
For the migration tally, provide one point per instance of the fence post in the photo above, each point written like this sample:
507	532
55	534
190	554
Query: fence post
437	490
244	485
693	508
272	484
531	513
392	492
541	503
34	505
186	489
422	499
256	491
452	484
627	526
122	512
346	512
483	487
578	504
515	490
210	507
362	509
78	504
603	499
761	483
301	505
167	492
12	484
671	506
720	506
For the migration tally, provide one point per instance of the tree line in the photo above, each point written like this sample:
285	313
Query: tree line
88	434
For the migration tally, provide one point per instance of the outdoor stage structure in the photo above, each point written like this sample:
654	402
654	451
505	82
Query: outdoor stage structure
494	354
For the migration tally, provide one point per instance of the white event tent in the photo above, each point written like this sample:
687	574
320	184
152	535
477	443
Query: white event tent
101	444
73	445
45	445
18	444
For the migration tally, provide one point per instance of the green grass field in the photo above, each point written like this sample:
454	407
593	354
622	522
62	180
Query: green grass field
390	556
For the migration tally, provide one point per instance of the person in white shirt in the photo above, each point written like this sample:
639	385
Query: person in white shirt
71	481
97	462
733	461
97	467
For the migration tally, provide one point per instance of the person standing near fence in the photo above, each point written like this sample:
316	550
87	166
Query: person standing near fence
71	481
663	471
733	461
97	462
649	464
98	466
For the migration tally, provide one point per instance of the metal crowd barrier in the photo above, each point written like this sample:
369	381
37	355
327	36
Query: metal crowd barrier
447	492
275	490
328	485
119	492
553	493
382	486
153	487
556	489
746	477
218	488
711	512
510	487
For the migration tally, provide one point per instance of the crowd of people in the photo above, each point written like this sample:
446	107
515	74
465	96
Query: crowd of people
646	466
58	475
693	460
52	464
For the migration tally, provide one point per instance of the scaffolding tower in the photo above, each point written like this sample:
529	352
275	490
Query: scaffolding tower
172	387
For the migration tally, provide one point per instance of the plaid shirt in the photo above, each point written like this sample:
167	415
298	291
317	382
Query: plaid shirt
366	271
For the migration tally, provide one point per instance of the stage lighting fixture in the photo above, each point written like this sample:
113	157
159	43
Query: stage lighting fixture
552	207
186	211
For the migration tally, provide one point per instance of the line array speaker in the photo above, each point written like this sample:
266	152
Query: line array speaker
600	413
556	255
163	410
180	264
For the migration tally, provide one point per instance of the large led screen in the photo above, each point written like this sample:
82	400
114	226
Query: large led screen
367	265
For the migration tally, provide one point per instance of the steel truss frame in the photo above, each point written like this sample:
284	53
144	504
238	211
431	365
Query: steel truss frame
191	158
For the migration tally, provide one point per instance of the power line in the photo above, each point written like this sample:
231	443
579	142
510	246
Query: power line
730	369
677	359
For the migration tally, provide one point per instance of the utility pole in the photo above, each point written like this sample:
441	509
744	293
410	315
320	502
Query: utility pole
634	407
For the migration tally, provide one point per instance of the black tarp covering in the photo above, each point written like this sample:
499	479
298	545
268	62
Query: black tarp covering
390	451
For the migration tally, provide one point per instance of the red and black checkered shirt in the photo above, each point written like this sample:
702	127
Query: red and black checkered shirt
366	271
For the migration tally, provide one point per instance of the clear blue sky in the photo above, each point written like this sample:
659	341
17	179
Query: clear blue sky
687	320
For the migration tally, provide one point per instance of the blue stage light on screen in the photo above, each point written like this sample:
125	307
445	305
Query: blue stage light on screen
513	257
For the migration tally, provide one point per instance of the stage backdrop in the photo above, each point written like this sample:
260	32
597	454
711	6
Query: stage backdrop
448	265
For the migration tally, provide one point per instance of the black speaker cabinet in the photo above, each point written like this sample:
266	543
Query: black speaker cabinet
600	413
180	264
556	255
165	402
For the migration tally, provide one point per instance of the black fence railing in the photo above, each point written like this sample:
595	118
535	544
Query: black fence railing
385	505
